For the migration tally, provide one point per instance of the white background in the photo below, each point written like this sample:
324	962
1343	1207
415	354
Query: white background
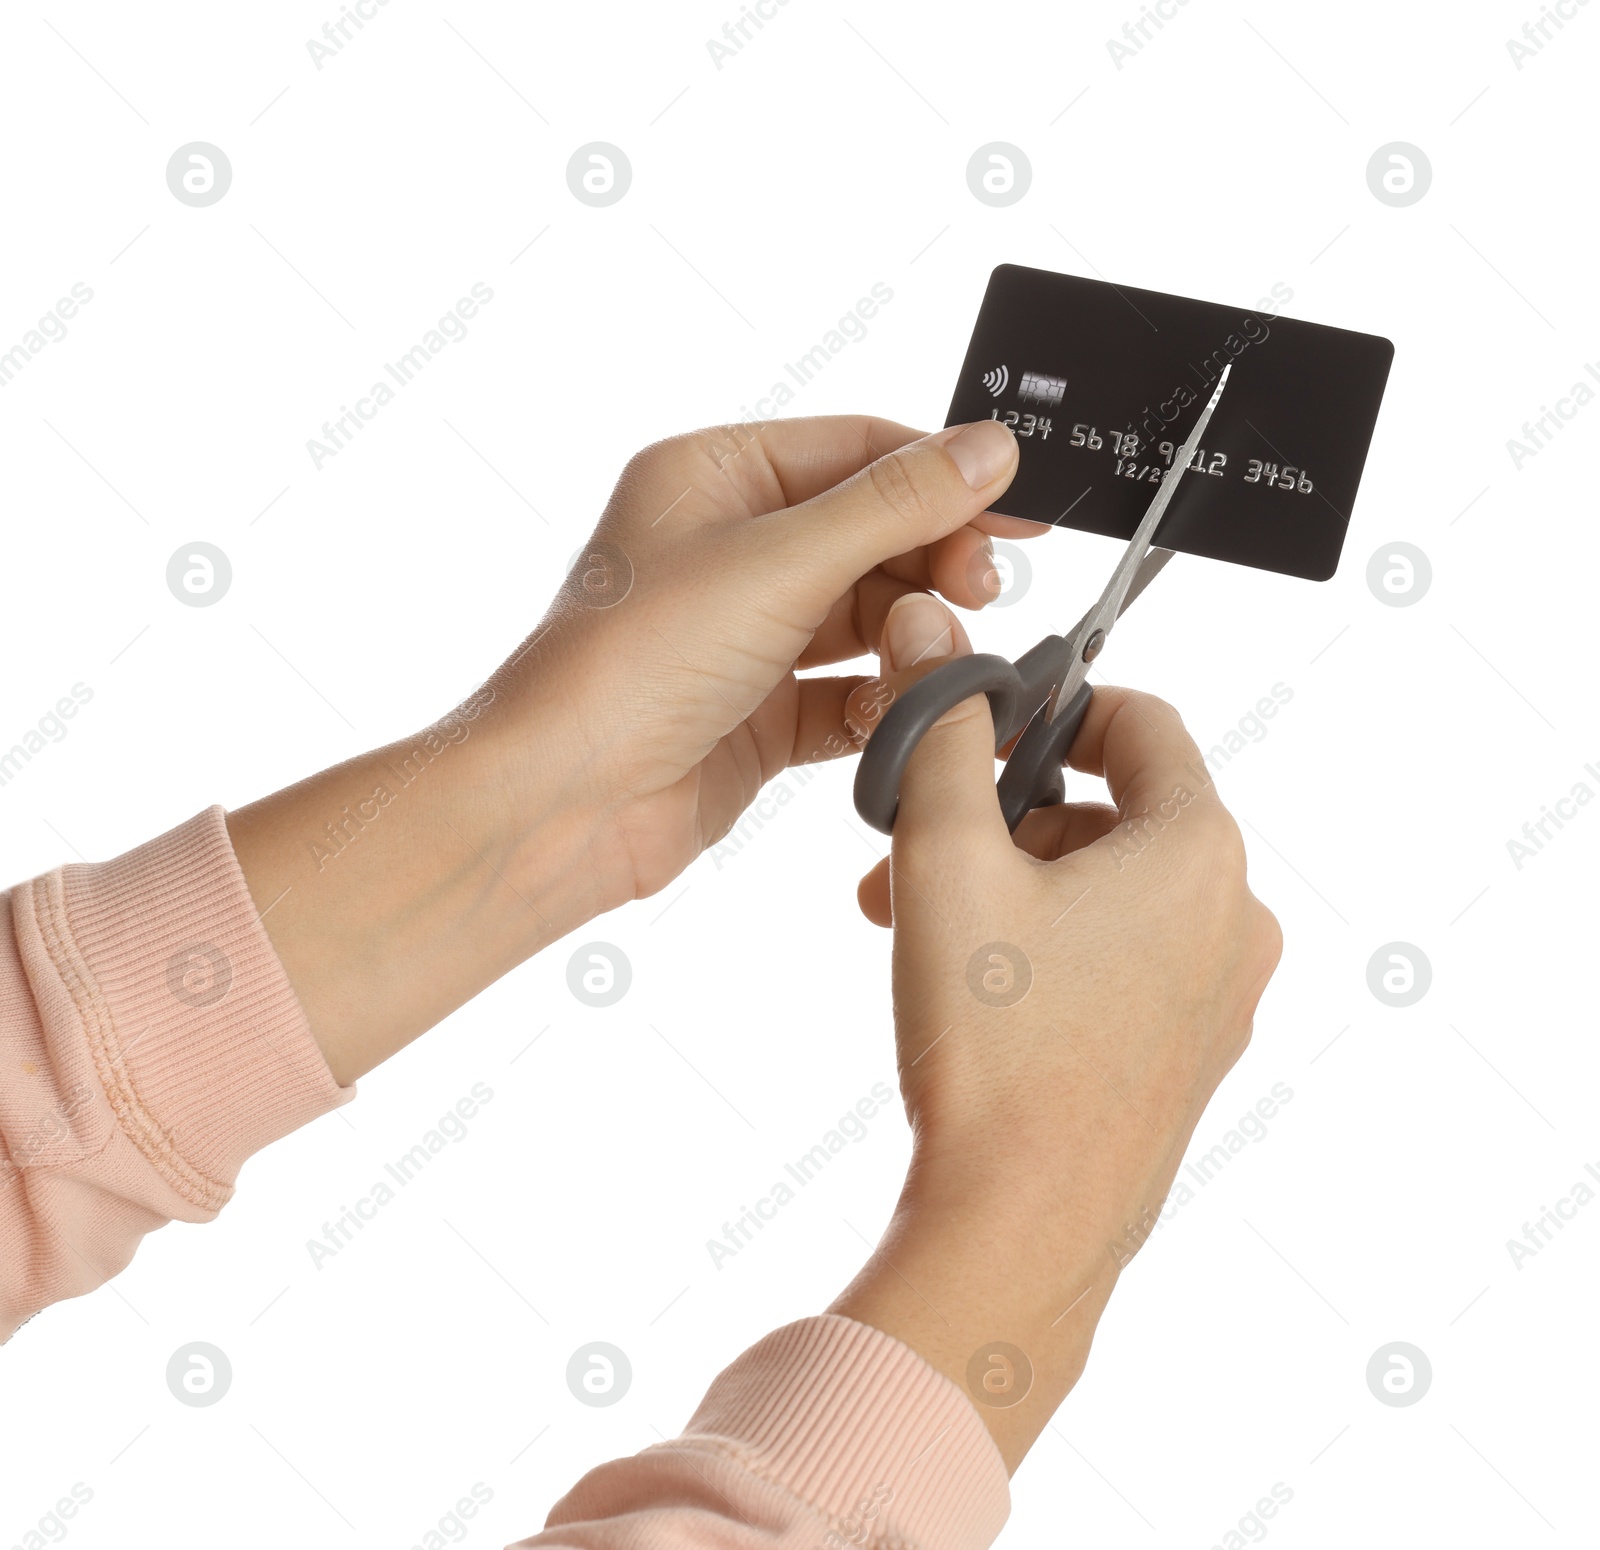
767	197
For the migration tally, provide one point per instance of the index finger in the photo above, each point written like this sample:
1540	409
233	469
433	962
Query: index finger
1141	746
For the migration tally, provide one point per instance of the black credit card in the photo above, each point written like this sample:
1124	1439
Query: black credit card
1101	384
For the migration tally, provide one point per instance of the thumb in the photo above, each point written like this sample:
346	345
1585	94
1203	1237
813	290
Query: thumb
906	499
948	791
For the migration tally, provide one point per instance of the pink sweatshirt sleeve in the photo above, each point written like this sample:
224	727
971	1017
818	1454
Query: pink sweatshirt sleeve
826	1435
150	1041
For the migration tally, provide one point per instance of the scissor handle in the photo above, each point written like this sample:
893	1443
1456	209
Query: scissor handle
907	721
1032	775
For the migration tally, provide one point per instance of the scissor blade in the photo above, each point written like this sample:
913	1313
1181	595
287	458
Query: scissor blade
1133	573
1111	600
1154	562
1150	567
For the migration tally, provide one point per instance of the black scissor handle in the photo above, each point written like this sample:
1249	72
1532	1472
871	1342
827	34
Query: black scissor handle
1032	775
907	721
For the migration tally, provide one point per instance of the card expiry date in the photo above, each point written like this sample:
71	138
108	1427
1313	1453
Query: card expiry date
1102	383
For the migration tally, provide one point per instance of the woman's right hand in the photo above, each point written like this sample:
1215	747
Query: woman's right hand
1066	1003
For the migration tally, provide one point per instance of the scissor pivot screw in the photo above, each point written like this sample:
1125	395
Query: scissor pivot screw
1091	647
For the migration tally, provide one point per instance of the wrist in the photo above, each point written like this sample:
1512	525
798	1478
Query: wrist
1074	1195
550	776
535	820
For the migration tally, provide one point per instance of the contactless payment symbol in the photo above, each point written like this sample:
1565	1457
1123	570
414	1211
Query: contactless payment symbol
996	380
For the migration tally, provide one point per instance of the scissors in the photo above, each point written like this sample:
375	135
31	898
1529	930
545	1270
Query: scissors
1043	695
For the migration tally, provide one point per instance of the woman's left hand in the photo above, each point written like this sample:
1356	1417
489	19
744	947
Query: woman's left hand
662	682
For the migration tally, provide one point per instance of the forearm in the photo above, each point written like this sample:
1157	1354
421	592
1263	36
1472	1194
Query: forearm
396	886
962	1272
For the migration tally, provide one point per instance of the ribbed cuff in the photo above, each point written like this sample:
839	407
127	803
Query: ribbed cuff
855	1423
196	1035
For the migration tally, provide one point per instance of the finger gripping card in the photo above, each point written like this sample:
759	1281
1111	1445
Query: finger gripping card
1102	383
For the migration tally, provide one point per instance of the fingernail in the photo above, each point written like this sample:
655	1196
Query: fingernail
983	451
983	573
918	627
